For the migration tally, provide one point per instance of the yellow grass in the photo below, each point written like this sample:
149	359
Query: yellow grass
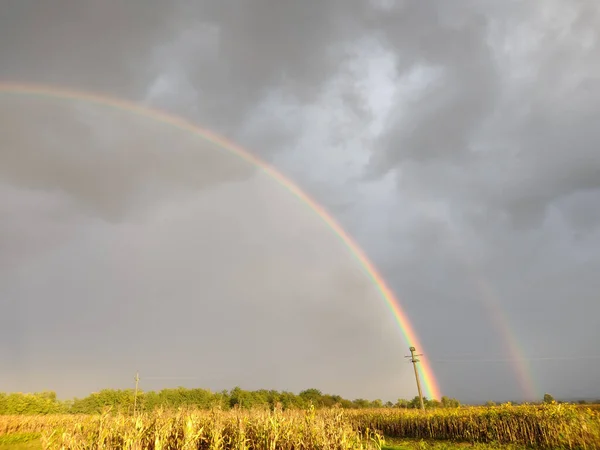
549	426
210	430
545	426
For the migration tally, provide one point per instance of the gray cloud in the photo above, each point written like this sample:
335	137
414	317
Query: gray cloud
104	158
517	105
456	143
450	42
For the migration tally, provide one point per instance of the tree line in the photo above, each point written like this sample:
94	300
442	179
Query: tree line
125	400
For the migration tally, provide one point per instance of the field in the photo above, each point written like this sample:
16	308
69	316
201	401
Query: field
547	426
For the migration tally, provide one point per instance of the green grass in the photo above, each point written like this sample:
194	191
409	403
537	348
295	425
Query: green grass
31	445
20	441
409	444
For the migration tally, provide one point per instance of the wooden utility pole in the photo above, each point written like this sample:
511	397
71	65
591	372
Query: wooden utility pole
414	361
137	380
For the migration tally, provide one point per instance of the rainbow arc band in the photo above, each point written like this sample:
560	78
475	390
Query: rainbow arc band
14	88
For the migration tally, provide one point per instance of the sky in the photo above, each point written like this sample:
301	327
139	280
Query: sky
455	141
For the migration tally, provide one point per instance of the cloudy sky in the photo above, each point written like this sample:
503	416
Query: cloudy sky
457	142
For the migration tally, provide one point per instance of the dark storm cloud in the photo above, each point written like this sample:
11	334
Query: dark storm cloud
455	140
103	158
232	52
97	45
510	97
451	40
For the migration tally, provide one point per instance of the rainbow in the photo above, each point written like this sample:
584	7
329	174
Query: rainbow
431	387
489	298
520	365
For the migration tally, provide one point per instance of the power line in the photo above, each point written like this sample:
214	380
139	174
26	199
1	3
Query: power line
137	380
414	362
544	358
170	378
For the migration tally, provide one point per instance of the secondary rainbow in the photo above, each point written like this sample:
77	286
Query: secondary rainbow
430	383
519	362
489	297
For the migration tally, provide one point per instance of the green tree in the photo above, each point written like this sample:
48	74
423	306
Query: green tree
548	398
238	398
361	403
313	396
402	403
376	404
450	402
415	403
433	403
31	403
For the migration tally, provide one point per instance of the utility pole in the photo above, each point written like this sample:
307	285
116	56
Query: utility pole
414	361
137	380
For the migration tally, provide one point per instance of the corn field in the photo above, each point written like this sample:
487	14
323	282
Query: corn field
212	430
548	426
545	426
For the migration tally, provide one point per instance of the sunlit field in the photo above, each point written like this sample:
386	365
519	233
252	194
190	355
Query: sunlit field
507	426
